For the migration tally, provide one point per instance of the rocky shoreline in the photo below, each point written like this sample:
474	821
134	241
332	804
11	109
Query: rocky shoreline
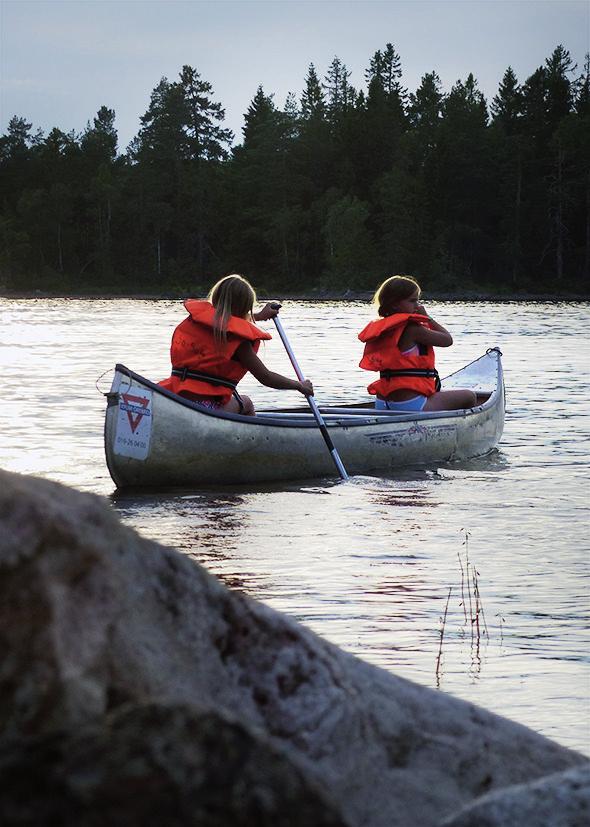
138	690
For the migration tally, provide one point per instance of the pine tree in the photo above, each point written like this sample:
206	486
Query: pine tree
464	195
259	115
559	86
292	116
582	107
64	189
264	234
15	159
548	97
507	104
161	137
178	150
562	177
18	138
313	104
425	107
582	90
99	141
207	138
383	78
384	120
340	94
98	152
534	95
408	193
510	152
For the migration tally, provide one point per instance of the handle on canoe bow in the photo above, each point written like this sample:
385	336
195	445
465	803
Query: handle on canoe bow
312	403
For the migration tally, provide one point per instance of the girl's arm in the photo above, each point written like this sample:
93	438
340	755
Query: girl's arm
436	335
269	311
246	356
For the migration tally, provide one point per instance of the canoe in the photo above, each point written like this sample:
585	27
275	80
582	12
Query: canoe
154	438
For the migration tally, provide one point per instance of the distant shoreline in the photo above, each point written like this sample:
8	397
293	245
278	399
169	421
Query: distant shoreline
327	296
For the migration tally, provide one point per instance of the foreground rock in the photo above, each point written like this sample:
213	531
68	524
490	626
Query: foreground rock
119	653
560	800
160	765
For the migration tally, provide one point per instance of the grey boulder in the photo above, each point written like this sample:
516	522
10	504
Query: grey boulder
99	625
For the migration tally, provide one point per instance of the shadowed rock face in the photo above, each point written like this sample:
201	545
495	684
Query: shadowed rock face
120	651
559	800
158	765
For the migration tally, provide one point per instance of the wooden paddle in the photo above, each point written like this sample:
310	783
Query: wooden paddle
312	403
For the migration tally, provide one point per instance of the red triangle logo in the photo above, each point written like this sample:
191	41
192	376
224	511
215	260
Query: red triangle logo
139	400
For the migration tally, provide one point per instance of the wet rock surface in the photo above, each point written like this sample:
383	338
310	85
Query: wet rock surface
134	683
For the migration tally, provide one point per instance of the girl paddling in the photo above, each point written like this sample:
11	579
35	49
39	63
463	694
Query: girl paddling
399	345
214	348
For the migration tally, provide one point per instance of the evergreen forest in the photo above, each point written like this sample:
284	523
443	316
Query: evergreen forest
336	190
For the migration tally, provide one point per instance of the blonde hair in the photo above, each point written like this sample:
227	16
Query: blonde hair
231	296
394	289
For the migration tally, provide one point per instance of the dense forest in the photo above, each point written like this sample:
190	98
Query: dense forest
333	192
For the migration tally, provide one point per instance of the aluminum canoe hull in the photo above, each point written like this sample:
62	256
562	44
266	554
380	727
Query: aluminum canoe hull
154	438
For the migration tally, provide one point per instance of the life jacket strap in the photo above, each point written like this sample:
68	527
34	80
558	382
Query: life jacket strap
426	373
184	374
240	401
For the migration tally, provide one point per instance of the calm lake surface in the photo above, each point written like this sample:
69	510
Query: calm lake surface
366	564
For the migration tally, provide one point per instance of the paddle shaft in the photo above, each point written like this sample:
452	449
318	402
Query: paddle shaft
312	403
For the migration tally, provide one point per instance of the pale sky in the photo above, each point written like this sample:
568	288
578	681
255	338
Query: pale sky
61	60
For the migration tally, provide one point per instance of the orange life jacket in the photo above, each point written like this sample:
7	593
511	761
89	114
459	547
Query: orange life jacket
414	371
203	363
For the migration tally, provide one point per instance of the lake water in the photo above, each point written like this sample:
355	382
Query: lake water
367	564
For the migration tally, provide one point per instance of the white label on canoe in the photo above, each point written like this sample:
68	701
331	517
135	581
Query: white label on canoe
134	423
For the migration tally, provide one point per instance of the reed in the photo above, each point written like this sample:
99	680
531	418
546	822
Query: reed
472	606
443	621
501	620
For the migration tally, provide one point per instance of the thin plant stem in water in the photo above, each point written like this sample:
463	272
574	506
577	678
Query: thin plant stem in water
462	586
467	567
443	621
477	620
501	620
479	605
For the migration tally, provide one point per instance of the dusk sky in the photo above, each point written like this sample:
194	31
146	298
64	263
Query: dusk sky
60	61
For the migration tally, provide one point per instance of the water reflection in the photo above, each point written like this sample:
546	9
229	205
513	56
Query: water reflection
212	520
410	498
368	564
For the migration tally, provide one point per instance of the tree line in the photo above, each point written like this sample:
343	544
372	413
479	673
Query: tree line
334	191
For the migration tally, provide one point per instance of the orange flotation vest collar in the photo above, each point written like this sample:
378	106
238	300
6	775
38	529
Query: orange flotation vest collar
203	363
414	371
